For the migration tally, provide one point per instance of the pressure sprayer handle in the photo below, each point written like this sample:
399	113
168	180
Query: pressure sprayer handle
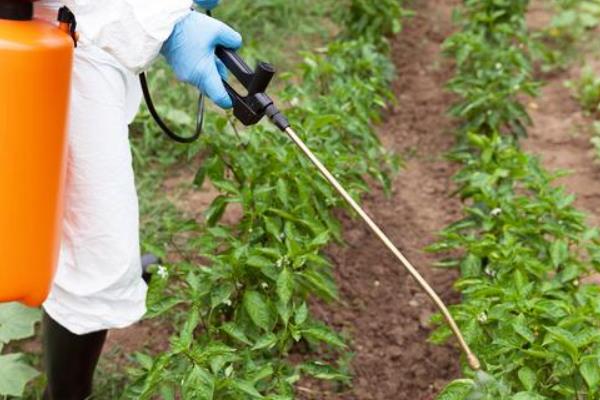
250	109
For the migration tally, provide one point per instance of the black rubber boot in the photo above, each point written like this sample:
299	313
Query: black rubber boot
70	361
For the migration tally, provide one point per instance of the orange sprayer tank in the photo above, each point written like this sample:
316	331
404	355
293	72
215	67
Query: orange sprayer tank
35	78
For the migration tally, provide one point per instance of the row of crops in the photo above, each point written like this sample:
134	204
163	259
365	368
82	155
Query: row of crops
240	298
524	248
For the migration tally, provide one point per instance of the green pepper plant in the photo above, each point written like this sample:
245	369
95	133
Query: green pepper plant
524	248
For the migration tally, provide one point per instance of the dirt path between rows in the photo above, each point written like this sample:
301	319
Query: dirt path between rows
560	134
386	314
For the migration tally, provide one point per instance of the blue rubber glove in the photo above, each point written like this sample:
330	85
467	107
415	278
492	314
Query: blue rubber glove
190	51
207	4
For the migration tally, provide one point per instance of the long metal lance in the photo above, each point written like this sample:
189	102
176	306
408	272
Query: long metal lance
471	358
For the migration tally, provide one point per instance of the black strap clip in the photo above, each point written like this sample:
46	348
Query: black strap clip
67	20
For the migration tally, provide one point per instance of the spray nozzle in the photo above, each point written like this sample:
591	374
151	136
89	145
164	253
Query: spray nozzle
252	107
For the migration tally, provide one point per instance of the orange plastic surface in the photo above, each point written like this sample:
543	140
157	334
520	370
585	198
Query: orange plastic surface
35	78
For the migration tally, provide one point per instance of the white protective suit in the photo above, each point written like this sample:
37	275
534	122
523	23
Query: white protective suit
98	284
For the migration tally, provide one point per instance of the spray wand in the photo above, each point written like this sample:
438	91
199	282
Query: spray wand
251	109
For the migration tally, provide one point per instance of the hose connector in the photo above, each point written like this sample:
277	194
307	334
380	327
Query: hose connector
277	117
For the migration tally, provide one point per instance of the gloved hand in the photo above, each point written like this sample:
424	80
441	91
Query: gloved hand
190	51
207	4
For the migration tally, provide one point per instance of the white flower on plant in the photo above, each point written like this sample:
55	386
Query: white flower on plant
490	272
283	262
499	66
482	317
162	272
228	303
264	285
495	212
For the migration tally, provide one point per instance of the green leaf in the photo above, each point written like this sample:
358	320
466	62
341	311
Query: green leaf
267	341
564	338
258	309
14	375
323	334
520	326
320	240
263	373
162	306
152	380
323	371
527	377
236	332
200	177
144	360
246	388
283	192
203	353
216	210
221	293
460	389
186	336
259	262
273	227
17	322
301	314
285	285
226	186
199	384
471	266
320	283
559	252
284	312
590	370
528	396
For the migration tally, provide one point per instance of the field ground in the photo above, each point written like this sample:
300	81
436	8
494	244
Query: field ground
381	308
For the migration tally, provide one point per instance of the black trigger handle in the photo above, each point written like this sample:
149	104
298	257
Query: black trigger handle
236	65
253	106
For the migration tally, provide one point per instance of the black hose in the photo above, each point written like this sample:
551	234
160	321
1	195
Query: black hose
159	121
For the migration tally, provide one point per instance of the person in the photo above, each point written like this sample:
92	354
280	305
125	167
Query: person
99	283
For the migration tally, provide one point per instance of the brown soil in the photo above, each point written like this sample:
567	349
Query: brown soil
561	136
384	311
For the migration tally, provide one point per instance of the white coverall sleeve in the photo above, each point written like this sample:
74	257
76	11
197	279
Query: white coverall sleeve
132	31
